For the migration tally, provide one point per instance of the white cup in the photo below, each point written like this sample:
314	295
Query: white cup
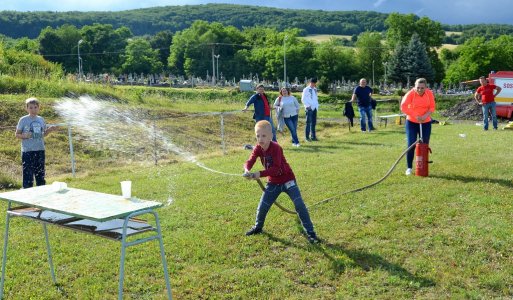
126	189
59	186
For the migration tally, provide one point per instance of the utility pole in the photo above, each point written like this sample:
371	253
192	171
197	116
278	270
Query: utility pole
284	62
79	61
385	64
217	61
373	82
213	67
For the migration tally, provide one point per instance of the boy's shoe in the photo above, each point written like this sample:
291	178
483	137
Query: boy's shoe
313	239
297	145
408	172
254	230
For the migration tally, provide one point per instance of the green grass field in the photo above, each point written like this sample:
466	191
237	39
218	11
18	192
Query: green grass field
319	38
445	236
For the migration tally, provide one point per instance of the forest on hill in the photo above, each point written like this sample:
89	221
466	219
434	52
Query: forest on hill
149	21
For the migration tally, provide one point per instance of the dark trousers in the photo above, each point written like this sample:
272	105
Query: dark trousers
33	163
412	132
311	122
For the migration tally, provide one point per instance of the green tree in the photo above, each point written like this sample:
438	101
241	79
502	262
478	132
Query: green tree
369	55
400	29
477	57
60	46
332	62
27	45
162	43
103	47
141	58
411	62
192	49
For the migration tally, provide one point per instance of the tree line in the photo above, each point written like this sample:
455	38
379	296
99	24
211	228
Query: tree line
149	21
407	49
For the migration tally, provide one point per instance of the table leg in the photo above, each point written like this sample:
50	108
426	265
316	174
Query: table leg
125	244
4	256
163	257
122	264
49	251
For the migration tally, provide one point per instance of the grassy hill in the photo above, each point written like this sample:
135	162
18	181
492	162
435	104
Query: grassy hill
444	236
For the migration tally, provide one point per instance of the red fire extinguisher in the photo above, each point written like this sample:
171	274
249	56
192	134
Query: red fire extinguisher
421	157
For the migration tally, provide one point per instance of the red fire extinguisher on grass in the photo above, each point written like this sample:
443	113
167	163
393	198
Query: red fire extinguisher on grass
421	157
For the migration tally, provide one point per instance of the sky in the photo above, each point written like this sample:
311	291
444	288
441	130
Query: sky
444	11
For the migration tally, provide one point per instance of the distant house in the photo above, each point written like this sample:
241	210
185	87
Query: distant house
246	85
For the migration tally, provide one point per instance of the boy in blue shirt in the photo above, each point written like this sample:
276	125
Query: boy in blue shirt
31	130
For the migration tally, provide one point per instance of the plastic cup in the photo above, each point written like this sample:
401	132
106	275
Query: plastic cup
126	189
59	186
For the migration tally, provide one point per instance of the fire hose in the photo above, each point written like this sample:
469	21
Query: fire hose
350	191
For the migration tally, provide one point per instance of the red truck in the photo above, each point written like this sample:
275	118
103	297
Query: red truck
504	80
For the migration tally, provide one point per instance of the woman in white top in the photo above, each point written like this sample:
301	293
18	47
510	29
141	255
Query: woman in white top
288	107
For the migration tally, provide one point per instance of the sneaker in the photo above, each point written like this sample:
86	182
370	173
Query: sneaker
313	239
308	140
298	145
408	172
315	139
254	230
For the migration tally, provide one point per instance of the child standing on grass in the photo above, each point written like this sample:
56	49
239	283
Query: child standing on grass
280	179
31	130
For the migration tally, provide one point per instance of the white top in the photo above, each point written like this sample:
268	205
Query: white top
309	98
289	105
79	203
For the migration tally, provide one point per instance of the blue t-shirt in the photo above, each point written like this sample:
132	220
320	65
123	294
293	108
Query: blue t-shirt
363	95
35	125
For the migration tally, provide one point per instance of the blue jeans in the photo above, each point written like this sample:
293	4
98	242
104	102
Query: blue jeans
491	107
33	164
412	132
268	118
271	193
365	111
292	126
311	122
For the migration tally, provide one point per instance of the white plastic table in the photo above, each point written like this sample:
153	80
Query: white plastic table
104	215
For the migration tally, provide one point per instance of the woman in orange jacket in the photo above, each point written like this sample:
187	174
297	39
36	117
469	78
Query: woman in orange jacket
418	105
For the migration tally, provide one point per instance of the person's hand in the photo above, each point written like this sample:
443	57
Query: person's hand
421	118
26	135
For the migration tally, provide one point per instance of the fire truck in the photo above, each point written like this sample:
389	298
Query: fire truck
504	80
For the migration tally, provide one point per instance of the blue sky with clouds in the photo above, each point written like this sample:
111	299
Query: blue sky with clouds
444	11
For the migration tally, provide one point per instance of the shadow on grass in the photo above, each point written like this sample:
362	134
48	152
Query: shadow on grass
336	253
468	179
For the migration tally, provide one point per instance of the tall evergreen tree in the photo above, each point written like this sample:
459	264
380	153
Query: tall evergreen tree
410	62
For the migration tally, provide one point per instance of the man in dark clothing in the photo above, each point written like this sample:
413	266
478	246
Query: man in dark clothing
363	93
262	108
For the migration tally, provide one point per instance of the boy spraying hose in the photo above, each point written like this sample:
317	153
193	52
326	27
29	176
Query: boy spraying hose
280	179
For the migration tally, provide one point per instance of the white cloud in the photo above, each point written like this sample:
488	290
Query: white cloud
378	3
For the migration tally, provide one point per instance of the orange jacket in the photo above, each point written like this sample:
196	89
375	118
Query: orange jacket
414	105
